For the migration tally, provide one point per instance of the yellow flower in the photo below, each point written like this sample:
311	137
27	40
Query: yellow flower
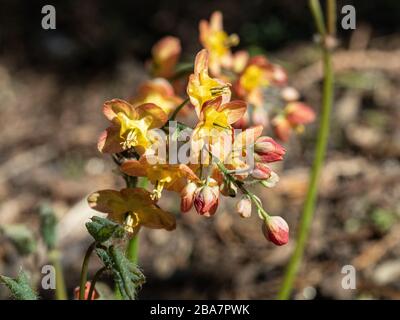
158	91
169	176
216	117
201	87
258	74
132	207
130	125
217	42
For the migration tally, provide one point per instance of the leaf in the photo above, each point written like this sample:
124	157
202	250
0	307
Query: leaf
21	237
126	274
48	223
102	229
19	287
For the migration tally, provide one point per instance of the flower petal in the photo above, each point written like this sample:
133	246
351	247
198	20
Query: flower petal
155	218
113	107
134	168
108	201
159	117
235	110
110	140
248	136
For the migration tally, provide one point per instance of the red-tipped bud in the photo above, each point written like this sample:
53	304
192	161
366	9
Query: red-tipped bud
187	196
276	230
299	113
95	294
261	171
267	150
282	127
243	207
206	200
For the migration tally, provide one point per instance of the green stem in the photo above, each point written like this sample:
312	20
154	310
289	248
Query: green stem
320	150
178	108
245	191
316	11
61	292
93	283
132	250
331	17
84	271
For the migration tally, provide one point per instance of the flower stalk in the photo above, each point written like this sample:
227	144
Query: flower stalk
84	271
320	150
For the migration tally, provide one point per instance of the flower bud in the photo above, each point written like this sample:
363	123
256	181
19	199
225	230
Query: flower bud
279	75
267	150
271	181
299	113
95	294
228	189
243	207
290	94
276	230
187	196
206	200
261	171
282	127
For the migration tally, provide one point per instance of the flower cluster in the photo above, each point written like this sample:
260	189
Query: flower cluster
223	155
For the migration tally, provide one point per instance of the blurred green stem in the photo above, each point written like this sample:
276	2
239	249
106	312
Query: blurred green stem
84	271
320	150
55	259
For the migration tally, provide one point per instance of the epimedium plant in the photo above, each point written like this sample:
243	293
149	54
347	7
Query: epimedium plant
233	96
234	99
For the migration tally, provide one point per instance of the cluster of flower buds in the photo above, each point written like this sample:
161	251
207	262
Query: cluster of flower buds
226	91
204	198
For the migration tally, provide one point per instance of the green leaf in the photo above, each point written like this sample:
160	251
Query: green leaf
126	274
21	237
19	287
48	223
102	229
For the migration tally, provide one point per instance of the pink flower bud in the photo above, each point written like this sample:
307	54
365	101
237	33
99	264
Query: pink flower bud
282	127
206	200
299	113
243	207
261	171
187	196
268	150
95	294
276	230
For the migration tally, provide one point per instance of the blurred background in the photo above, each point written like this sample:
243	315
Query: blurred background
52	87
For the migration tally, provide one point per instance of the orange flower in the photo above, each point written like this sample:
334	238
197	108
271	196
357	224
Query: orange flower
294	117
165	54
217	42
133	208
158	91
169	176
130	125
